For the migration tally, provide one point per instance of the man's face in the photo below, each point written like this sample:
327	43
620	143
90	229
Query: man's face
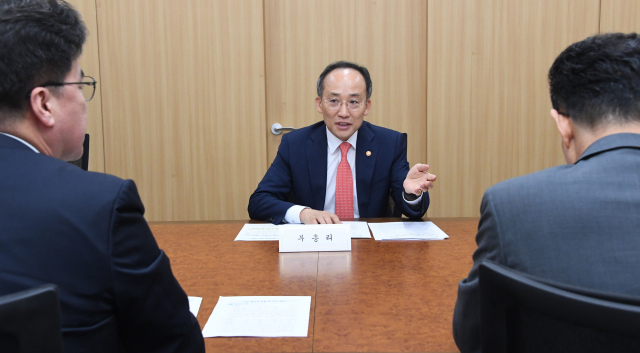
70	113
348	87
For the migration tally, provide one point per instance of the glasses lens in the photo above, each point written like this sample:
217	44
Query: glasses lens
89	89
87	92
333	104
354	104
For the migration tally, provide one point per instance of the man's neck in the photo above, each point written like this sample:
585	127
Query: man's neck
333	141
28	132
585	136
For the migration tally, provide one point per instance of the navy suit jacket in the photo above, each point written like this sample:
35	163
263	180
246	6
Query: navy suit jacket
85	232
575	224
300	167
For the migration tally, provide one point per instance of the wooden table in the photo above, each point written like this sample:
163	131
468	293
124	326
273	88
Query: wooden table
380	297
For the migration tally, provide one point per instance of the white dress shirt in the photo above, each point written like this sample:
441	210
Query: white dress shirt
21	140
333	159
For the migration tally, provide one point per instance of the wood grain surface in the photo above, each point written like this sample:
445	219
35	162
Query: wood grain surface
488	96
619	16
183	95
386	36
380	297
90	63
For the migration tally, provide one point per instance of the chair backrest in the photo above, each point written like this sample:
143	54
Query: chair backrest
392	210
83	162
30	321
521	313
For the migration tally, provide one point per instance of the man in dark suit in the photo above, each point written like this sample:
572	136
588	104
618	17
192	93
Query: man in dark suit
575	224
83	231
341	167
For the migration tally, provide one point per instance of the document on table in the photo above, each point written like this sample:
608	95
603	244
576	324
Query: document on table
259	317
264	232
194	305
407	231
258	232
358	229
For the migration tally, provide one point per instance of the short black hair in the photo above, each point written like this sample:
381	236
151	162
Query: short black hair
39	41
597	80
344	65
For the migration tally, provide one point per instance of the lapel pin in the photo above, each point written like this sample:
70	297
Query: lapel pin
368	153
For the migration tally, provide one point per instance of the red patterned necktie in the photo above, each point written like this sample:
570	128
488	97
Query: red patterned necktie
344	185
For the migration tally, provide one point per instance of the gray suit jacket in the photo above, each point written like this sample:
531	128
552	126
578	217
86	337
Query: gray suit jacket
577	224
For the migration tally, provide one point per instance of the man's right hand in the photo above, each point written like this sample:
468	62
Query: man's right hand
311	216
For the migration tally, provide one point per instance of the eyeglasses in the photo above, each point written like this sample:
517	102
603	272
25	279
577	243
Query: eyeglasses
335	104
86	80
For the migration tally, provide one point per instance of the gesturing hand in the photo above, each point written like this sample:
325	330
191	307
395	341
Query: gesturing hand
418	180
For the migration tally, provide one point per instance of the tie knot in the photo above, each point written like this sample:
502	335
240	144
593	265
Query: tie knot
344	147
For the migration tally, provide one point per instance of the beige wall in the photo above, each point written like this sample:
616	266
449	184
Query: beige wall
387	36
183	93
620	16
488	101
188	89
90	63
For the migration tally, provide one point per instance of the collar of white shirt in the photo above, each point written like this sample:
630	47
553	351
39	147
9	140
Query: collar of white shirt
21	140
333	142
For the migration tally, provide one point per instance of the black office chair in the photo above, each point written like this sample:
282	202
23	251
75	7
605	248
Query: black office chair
392	210
520	313
30	321
83	162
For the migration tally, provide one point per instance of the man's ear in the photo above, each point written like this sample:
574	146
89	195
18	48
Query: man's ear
318	102
565	127
41	101
366	111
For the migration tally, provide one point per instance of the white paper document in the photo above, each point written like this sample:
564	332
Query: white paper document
259	232
259	317
407	231
194	305
358	229
267	231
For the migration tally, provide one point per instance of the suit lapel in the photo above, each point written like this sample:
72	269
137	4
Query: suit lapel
317	161
365	166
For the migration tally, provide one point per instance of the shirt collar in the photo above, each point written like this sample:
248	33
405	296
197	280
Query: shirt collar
21	140
611	142
334	143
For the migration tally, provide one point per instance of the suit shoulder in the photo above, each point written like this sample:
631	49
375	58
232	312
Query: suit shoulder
69	176
303	134
529	183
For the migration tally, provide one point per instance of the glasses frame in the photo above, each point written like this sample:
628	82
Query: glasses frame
347	105
60	84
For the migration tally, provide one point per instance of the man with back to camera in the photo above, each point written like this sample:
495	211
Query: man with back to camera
575	224
341	167
82	231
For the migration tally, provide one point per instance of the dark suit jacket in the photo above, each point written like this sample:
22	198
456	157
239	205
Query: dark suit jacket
300	167
85	232
575	224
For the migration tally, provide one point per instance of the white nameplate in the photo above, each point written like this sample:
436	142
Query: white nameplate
325	237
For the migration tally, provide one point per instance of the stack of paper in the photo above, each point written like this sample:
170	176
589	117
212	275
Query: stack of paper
358	229
259	317
407	231
258	232
262	232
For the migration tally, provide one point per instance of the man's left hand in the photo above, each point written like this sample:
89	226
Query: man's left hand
418	180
